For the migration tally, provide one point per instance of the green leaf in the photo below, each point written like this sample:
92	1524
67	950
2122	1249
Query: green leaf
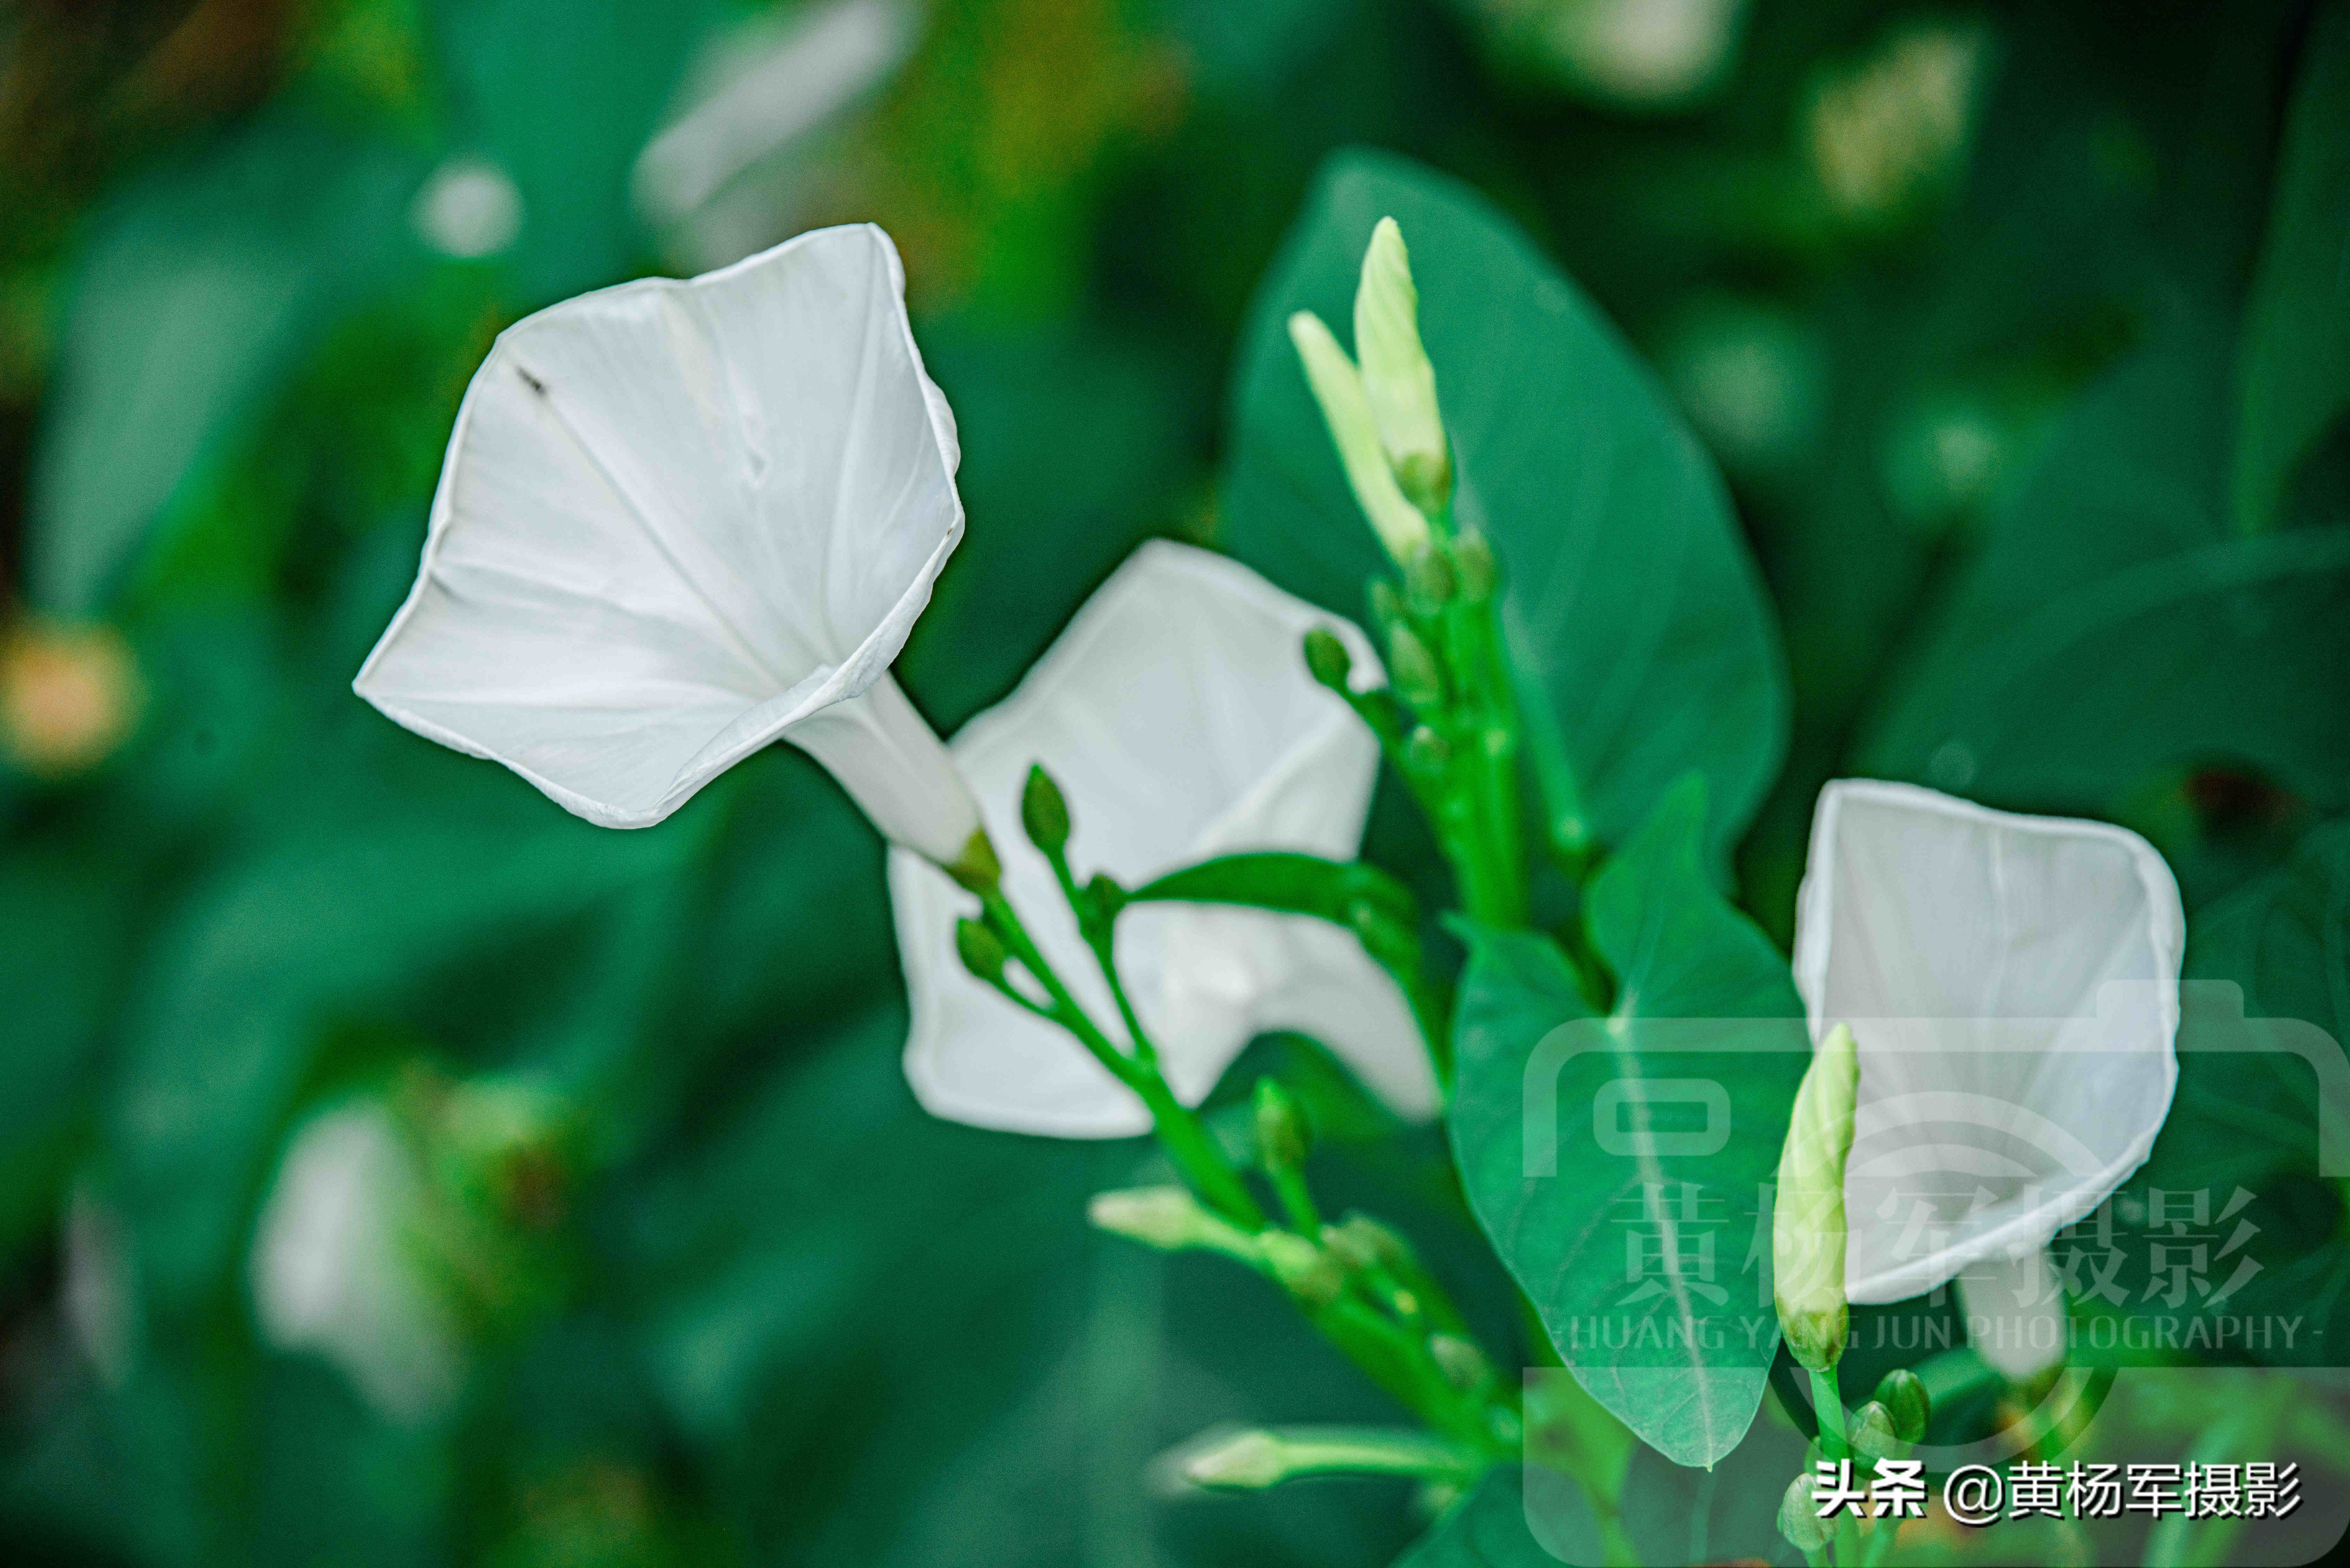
1515	1517
1728	1513
2241	1115
200	289
2285	938
2295	364
1705	1014
1631	608
2113	626
1297	884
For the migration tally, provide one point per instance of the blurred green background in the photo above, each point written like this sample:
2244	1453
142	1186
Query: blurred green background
394	1169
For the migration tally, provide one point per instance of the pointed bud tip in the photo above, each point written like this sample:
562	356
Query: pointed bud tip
1043	812
1463	1365
1336	383
1249	1460
1799	1517
980	949
1106	896
1305	1270
1413	669
1430	582
1426	751
1166	1218
1282	1136
1398	382
1327	660
1903	1393
1481	573
1872	1434
1362	1243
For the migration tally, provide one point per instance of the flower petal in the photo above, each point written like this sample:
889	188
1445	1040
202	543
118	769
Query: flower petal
1177	715
2013	985
676	519
2014	1314
890	761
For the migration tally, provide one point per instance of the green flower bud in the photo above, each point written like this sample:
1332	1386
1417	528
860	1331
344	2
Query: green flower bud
1807	1228
1256	1459
976	869
1377	1243
1044	813
1398	383
1305	1270
1282	1137
1327	660
1167	1218
1107	898
1412	668
1481	573
1903	1393
1429	580
1799	1518
1872	1432
1463	1365
1248	1461
1338	388
980	949
1362	1243
1425	751
1386	605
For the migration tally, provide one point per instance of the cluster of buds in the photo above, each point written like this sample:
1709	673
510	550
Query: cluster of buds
1447	718
1357	1278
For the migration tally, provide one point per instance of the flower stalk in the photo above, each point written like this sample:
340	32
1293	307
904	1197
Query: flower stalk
1349	1281
1449	722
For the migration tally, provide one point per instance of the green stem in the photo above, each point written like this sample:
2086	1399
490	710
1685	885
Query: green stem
1198	1155
1827	1401
1396	1357
1489	735
1297	1200
1181	1134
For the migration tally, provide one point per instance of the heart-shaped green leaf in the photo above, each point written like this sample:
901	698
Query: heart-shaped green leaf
1617	1157
2113	624
1633	613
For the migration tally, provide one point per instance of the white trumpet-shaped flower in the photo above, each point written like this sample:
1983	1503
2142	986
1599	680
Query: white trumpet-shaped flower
337	1267
680	521
1177	715
2012	984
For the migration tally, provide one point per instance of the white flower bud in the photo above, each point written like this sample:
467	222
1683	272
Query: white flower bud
1167	1218
1398	383
1807	1225
1338	388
